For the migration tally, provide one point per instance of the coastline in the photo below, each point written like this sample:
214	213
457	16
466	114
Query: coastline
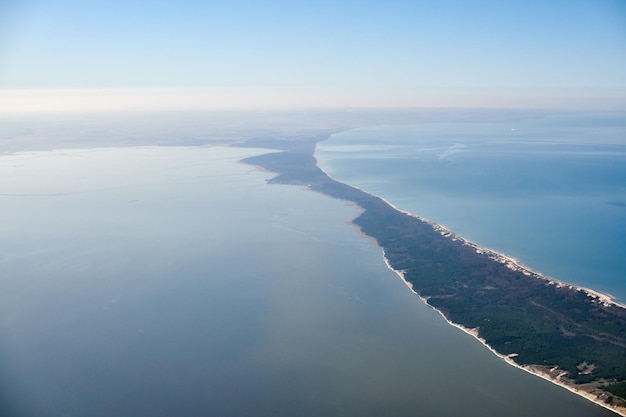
296	167
510	263
507	358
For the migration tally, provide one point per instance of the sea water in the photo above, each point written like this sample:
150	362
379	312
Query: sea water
169	281
549	191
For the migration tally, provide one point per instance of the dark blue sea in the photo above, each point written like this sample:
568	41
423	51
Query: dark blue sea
549	190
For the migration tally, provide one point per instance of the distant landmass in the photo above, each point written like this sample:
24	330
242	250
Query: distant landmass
572	336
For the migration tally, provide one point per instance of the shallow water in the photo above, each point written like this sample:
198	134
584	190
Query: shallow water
175	281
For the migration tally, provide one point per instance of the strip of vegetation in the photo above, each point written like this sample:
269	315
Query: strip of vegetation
574	336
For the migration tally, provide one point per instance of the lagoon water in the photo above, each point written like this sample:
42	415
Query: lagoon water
162	281
549	191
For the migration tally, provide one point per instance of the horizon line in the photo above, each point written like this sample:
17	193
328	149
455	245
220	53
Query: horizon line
48	100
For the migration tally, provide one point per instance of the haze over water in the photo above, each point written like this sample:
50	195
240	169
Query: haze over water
549	191
162	281
169	281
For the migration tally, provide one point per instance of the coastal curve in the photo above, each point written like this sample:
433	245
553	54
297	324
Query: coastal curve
571	336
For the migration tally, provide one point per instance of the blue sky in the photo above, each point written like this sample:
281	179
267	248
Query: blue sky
393	52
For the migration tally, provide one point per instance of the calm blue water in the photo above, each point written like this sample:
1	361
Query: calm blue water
171	281
548	191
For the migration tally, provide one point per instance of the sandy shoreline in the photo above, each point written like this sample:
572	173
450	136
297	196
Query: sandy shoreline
513	264
508	358
509	261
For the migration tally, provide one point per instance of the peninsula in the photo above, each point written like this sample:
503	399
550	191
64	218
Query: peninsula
571	336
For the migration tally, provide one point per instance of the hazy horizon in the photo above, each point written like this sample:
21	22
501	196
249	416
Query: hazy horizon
153	266
67	55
